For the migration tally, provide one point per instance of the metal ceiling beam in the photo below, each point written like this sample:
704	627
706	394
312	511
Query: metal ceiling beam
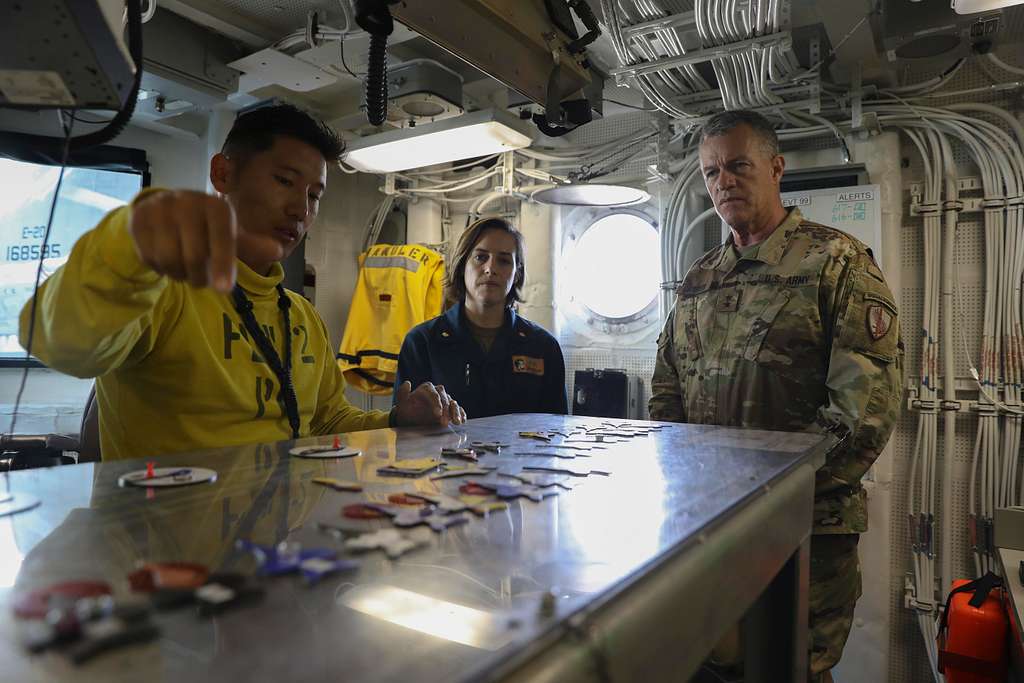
223	20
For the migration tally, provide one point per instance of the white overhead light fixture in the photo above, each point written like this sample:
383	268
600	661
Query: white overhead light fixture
591	194
975	6
471	135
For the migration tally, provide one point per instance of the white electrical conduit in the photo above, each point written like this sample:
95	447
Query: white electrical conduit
429	183
1003	65
948	365
692	229
451	188
922	485
926	86
672	219
150	10
441	171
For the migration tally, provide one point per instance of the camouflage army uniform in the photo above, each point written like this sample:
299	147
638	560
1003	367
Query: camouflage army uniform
799	335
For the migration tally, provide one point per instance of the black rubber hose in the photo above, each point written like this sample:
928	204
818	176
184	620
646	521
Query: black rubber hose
374	17
589	19
586	15
377	79
118	123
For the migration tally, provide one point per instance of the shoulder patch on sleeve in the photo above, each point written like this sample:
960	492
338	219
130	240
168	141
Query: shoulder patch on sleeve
871	325
879	320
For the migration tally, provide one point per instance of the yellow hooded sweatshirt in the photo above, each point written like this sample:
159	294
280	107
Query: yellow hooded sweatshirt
175	368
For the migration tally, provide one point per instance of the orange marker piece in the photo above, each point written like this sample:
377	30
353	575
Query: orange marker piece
149	470
337	442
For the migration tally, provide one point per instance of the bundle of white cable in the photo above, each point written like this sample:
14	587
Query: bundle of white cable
743	78
674	238
377	219
921	492
651	86
995	466
662	43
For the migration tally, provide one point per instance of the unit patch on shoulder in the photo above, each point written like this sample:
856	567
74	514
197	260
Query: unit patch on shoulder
879	320
528	365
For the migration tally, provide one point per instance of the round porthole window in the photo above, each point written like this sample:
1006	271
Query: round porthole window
612	272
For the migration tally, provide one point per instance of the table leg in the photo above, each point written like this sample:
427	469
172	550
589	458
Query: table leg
774	629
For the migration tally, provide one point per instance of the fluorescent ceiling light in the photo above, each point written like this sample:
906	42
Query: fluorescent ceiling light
462	137
974	6
591	194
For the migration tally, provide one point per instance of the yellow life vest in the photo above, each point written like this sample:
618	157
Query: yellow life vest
399	287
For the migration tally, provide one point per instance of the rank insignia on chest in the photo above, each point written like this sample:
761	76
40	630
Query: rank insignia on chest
528	365
879	321
728	302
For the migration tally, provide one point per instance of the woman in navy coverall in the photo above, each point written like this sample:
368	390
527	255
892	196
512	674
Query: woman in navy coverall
489	359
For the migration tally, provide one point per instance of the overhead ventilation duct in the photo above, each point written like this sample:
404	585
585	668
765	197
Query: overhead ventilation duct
423	91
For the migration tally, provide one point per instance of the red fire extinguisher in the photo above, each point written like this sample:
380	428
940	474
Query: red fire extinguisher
973	632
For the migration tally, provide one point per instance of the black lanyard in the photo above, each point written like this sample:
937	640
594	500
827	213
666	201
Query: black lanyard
283	371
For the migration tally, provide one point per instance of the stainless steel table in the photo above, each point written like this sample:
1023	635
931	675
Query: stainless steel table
629	577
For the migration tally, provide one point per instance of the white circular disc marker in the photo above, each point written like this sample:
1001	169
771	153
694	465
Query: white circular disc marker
324	452
168	477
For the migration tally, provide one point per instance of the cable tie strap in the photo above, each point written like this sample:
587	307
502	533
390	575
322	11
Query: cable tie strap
923	607
928	210
953	205
993	202
950	405
924	406
985	408
1015	201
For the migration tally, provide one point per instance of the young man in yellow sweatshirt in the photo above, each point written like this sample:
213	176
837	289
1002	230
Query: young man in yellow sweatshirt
174	303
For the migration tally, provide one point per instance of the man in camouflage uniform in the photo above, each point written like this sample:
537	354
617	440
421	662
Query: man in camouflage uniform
789	325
